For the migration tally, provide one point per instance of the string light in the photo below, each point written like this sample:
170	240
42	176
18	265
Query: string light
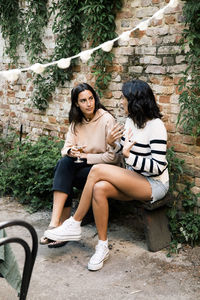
11	75
64	63
107	46
125	36
37	68
173	3
85	55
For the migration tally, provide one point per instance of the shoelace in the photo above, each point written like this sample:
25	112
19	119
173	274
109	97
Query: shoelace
100	251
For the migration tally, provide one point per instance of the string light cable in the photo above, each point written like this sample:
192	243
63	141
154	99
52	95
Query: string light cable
64	63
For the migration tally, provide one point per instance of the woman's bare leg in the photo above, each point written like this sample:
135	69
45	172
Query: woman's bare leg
129	183
59	199
101	192
66	213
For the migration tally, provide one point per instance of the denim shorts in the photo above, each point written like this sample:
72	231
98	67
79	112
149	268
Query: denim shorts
159	189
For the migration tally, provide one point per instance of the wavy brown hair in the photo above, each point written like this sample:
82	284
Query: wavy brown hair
142	105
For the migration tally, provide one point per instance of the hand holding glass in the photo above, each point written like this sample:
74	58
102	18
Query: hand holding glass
80	150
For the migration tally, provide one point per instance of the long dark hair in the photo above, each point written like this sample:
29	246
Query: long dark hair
75	114
142	105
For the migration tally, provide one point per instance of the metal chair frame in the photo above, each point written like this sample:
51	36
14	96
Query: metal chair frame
30	253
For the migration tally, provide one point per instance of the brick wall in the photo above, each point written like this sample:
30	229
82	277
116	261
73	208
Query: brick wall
152	55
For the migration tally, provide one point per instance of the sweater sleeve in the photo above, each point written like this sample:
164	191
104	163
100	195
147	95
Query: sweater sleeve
155	163
109	156
69	142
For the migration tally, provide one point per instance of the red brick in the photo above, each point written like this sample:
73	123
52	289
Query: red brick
108	94
189	140
198	141
167	81
63	129
4	106
52	120
12	114
170	19
10	94
115	68
27	109
154	80
125	15
164	99
181	148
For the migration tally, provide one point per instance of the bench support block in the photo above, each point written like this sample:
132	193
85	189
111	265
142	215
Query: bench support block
156	229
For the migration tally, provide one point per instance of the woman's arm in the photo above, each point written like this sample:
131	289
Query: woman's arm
69	142
109	156
156	163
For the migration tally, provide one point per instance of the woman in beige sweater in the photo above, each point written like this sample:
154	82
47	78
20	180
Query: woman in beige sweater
90	124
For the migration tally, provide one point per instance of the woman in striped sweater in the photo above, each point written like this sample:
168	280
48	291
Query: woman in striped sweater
144	178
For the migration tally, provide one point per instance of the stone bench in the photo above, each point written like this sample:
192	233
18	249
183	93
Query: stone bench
154	221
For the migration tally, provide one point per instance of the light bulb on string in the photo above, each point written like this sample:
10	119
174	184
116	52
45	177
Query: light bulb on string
85	55
173	3
107	46
37	68
64	63
11	75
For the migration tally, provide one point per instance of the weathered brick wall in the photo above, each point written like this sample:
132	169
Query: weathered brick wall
152	55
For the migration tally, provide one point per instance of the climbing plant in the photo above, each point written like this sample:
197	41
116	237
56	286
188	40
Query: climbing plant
73	21
67	28
98	27
184	221
189	85
11	23
35	20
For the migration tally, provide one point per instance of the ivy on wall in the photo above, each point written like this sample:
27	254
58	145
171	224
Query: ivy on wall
189	85
98	27
35	20
67	28
74	21
11	23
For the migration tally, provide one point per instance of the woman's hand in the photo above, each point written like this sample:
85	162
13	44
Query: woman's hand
115	134
128	143
75	152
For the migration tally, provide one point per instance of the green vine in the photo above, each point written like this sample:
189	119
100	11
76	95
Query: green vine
99	26
184	222
67	28
189	116
35	21
11	23
74	21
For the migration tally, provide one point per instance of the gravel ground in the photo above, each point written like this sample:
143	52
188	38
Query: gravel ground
131	272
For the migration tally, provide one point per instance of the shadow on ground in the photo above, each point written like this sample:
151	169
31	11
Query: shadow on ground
131	272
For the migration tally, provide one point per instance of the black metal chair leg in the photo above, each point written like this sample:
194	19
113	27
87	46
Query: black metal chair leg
30	255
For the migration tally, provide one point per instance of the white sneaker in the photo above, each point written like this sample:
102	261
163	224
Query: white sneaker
70	230
97	260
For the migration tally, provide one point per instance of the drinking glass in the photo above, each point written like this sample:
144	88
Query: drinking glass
80	149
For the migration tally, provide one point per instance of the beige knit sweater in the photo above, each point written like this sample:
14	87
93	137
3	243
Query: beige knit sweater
93	135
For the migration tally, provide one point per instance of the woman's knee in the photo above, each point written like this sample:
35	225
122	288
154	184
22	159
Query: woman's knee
100	190
96	171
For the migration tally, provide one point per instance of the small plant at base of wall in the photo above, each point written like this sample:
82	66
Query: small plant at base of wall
189	85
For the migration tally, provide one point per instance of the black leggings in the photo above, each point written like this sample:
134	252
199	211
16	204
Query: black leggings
69	174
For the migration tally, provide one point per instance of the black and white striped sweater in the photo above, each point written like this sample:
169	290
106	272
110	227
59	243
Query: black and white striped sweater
148	155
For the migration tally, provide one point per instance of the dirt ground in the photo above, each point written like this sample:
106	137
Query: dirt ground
131	272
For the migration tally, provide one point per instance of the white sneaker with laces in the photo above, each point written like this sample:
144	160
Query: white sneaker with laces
70	230
97	260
